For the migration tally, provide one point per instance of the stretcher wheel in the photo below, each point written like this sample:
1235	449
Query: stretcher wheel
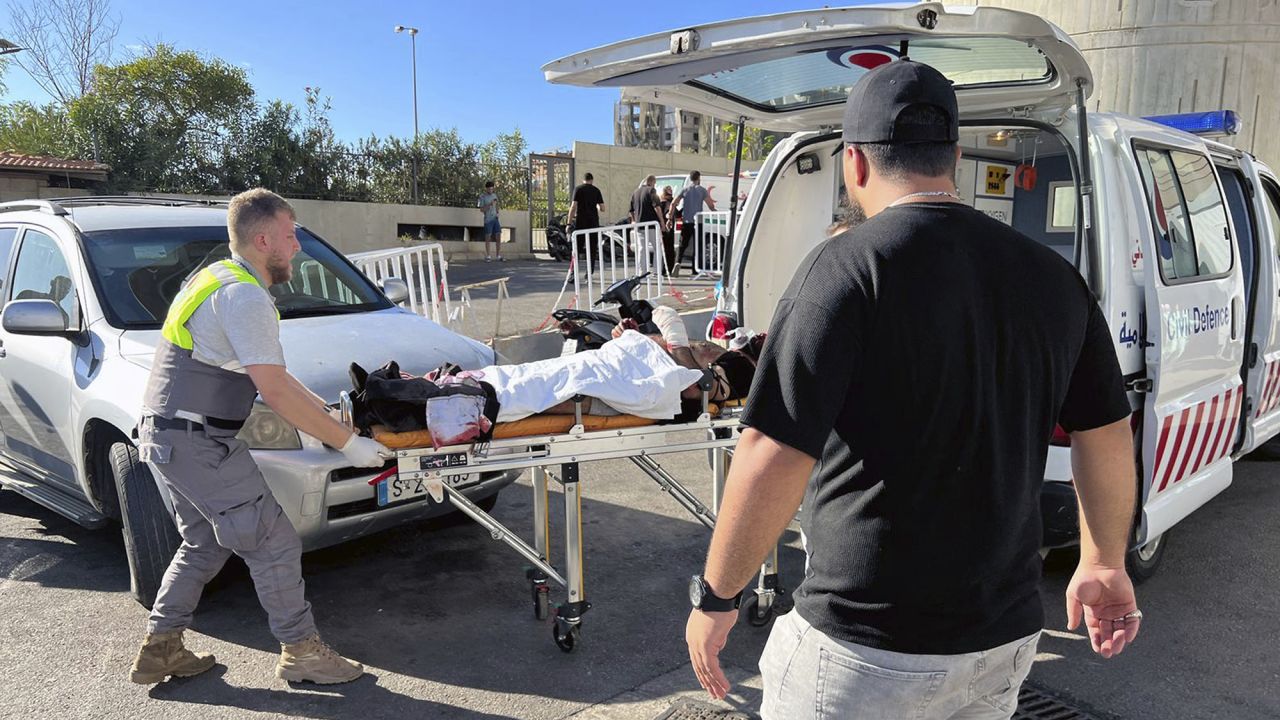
757	616
541	601
565	635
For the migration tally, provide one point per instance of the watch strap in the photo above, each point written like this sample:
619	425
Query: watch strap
714	603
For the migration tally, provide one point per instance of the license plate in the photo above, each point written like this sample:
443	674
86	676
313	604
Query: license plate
397	489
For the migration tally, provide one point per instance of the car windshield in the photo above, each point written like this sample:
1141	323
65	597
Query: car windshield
138	272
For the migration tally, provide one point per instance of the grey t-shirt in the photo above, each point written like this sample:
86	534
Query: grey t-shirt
694	197
489	203
237	326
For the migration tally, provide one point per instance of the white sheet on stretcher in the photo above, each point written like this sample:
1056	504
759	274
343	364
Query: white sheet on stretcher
631	373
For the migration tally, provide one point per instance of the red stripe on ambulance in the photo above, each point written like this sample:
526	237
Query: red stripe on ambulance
1202	435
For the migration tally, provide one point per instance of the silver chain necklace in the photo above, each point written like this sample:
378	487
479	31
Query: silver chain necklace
929	193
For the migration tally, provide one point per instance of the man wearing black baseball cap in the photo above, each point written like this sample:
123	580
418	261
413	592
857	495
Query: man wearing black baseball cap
914	371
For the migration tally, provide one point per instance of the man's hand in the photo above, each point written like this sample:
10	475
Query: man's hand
706	635
365	452
1105	598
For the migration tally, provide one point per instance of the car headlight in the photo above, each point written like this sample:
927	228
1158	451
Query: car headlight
265	430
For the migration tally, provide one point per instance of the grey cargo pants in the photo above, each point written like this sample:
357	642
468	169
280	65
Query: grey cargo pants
223	506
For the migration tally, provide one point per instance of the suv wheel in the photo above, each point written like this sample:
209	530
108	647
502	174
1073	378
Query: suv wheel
150	537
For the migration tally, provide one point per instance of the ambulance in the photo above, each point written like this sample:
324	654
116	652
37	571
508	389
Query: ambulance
1176	235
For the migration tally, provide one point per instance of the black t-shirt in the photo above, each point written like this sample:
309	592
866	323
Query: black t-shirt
643	201
589	199
923	358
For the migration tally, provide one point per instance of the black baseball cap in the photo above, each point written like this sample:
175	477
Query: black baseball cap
871	112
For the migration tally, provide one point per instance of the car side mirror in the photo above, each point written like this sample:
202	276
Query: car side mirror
396	290
34	317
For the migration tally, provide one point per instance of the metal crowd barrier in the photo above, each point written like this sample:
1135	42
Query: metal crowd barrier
711	234
422	267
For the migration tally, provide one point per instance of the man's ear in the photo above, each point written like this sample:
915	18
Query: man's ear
857	162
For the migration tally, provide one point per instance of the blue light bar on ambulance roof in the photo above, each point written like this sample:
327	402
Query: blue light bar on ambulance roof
1217	122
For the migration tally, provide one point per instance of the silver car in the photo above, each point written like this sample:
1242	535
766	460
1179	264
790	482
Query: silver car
95	277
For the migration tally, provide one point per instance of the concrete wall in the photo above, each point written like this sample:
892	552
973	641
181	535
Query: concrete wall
30	186
354	227
1155	57
619	170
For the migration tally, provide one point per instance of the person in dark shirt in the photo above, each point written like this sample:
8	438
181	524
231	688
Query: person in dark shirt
913	374
584	214
668	230
647	207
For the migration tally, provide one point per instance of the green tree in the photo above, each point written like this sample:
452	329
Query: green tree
37	130
505	161
172	120
156	119
756	143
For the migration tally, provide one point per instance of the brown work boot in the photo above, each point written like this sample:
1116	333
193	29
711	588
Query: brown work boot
162	655
312	661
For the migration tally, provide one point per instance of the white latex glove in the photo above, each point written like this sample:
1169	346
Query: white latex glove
671	326
365	452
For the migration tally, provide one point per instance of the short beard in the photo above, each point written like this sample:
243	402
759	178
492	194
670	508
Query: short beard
279	272
849	215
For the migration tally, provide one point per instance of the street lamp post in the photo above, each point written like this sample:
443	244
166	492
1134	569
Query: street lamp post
413	54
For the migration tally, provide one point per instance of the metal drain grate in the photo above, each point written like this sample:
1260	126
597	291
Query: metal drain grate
1033	704
1036	705
696	710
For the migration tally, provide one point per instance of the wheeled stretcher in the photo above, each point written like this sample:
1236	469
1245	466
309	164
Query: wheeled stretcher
558	457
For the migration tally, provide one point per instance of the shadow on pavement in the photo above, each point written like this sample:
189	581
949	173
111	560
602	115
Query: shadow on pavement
71	557
361	698
451	606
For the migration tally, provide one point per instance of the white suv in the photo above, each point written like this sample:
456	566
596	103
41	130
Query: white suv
85	287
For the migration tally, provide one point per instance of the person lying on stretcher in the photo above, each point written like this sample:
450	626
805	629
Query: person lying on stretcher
732	370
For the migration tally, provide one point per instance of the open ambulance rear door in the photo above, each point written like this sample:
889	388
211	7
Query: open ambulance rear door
792	71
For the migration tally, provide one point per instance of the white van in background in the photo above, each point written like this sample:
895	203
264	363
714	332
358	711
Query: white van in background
1175	235
720	186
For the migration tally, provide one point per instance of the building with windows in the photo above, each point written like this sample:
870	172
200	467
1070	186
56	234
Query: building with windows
653	126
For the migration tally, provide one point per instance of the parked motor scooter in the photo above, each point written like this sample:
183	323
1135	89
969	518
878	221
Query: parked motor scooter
589	329
558	244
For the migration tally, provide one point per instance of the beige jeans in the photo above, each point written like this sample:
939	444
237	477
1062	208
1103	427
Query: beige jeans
810	675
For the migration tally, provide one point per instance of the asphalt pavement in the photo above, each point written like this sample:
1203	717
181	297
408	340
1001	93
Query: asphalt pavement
441	616
537	287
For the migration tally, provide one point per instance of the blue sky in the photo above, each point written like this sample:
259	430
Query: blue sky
478	62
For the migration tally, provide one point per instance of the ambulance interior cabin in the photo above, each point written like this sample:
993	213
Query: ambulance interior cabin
1022	176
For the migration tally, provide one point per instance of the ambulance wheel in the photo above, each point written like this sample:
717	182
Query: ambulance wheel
150	536
756	616
566	636
1142	563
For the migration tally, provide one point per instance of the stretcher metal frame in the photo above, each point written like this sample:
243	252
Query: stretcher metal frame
569	450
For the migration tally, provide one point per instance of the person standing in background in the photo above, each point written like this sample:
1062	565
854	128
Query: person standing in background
488	202
584	213
668	229
691	199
